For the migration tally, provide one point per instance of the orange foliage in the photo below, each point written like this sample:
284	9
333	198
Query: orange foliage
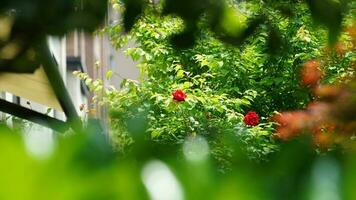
331	117
311	73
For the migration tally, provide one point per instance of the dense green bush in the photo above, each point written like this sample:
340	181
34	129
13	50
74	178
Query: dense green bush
222	82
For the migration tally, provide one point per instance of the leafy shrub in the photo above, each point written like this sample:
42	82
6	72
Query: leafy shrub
222	82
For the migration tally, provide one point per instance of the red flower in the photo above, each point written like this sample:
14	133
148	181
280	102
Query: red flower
251	119
179	95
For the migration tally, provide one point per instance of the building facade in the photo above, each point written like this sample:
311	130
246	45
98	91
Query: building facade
78	51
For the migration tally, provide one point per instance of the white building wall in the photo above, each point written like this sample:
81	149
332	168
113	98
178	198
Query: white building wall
108	59
38	139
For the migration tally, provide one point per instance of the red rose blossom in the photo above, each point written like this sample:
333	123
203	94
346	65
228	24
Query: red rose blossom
251	119
179	95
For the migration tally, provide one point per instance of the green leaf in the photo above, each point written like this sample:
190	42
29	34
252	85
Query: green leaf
180	74
187	85
328	13
109	74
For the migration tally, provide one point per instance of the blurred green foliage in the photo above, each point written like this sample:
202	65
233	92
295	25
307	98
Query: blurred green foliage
26	23
328	13
83	166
